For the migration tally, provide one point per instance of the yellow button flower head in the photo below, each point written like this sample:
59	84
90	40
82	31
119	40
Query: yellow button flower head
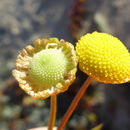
46	69
104	58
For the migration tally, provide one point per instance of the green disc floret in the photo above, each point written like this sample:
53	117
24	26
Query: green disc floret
48	67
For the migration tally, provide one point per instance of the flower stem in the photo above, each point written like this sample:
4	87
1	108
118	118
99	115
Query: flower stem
52	112
74	103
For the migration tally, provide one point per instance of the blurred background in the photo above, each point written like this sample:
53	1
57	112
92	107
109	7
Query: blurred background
23	21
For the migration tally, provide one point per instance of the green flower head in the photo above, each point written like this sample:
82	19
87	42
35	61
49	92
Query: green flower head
46	69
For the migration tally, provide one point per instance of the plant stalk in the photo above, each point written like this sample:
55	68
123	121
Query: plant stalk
52	112
74	103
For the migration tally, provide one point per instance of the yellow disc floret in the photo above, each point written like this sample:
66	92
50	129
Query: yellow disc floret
104	58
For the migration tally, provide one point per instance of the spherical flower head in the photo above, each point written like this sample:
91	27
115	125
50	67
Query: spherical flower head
104	58
46	69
